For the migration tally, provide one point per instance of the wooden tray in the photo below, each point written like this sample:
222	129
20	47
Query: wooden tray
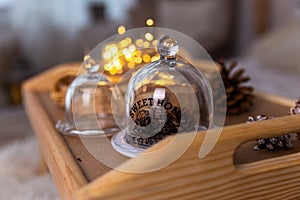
232	170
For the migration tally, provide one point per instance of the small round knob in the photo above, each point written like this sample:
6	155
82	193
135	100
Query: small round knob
167	47
90	65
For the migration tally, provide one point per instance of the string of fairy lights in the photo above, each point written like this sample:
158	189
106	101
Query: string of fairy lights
128	53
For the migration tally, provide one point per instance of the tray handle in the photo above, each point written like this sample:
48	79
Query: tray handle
239	134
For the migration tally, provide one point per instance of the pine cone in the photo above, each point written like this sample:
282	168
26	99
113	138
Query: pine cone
272	143
187	121
295	111
239	96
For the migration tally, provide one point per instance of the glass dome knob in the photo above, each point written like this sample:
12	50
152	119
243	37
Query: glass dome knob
90	65
167	47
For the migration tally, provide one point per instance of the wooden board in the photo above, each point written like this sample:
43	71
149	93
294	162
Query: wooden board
222	174
213	177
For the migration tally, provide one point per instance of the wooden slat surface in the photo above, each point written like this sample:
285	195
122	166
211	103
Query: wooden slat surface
65	172
218	176
92	168
213	177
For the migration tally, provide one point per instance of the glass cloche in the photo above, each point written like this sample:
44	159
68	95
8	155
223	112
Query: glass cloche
165	97
88	99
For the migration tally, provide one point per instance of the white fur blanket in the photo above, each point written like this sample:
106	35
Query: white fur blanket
19	161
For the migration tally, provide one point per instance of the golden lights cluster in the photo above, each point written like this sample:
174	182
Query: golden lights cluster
128	53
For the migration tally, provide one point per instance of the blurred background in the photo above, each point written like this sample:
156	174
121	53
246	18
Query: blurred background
36	35
263	35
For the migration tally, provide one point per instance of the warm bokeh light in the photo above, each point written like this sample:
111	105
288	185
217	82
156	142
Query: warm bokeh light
139	42
131	64
146	44
106	55
138	53
121	29
132	48
149	22
123	43
146	58
149	36
154	42
113	71
128	40
138	60
154	58
128	53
